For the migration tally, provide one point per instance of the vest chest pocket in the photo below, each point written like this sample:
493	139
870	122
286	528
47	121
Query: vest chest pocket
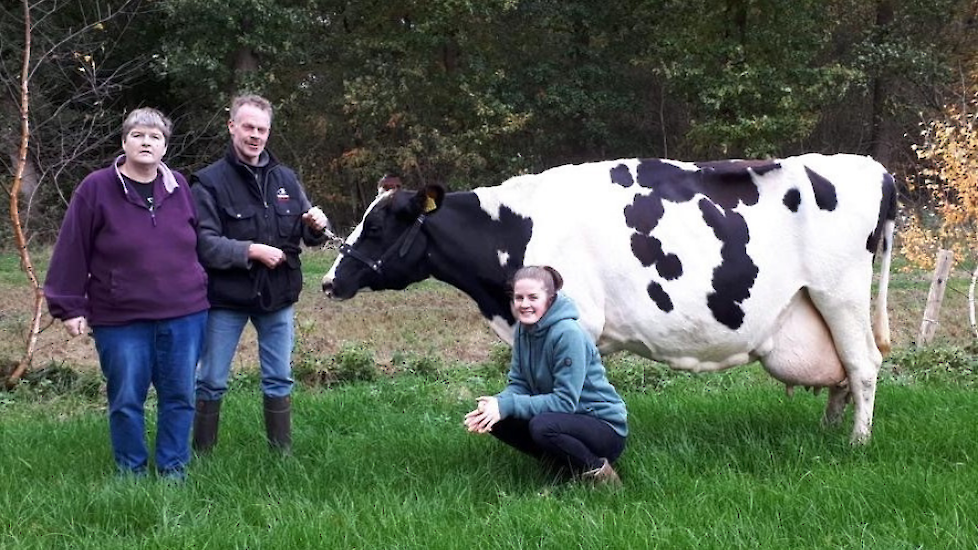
288	214
240	223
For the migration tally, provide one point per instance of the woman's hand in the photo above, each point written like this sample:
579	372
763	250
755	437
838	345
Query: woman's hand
76	326
484	417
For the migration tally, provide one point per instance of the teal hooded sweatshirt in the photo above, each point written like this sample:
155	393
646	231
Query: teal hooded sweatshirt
557	368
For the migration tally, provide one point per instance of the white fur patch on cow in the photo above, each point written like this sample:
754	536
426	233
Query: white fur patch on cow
491	199
503	257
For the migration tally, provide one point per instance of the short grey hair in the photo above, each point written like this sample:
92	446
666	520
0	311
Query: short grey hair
150	118
251	99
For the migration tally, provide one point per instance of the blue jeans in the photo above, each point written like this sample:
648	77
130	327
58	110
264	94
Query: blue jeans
133	356
224	326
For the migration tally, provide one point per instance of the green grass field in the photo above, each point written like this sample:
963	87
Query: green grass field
381	459
719	461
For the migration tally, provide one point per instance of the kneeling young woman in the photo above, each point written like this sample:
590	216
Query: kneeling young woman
558	405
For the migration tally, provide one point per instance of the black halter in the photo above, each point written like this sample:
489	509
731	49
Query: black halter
406	240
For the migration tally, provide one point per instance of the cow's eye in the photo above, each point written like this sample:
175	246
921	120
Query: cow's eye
372	229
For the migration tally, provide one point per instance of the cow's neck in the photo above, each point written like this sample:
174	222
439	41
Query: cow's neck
476	253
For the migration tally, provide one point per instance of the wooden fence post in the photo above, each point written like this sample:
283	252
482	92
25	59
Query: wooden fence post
945	258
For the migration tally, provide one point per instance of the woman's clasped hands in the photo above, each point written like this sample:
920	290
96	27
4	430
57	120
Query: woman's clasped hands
484	417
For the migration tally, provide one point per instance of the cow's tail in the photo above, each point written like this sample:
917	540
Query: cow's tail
884	233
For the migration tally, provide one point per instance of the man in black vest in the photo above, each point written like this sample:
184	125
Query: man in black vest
253	213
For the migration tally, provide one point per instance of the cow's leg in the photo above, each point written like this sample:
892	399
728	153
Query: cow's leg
848	318
838	398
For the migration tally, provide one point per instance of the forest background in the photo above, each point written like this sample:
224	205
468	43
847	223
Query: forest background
468	93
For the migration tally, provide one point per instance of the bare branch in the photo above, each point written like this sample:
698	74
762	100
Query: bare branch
25	258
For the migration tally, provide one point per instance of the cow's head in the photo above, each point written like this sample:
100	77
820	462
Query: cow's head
386	250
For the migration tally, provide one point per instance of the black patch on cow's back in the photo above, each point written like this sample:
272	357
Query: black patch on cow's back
622	176
730	182
792	199
723	186
825	196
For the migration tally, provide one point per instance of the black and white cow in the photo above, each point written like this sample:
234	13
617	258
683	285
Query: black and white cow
702	266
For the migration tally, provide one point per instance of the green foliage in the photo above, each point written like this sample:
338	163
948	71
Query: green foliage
754	74
353	363
215	46
59	379
469	93
936	365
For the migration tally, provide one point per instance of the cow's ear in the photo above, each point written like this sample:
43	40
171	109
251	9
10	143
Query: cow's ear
430	198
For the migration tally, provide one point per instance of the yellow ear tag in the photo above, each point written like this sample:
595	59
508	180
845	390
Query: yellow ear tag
429	205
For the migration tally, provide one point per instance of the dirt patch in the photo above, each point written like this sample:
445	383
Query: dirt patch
423	320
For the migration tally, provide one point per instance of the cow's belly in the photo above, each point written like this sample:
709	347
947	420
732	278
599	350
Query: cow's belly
694	349
795	347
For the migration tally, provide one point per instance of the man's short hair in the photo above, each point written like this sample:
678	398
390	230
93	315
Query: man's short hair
251	99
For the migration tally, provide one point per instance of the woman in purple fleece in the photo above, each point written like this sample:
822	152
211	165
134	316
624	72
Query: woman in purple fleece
125	264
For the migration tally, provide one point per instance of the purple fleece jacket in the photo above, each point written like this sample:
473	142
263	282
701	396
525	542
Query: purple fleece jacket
117	261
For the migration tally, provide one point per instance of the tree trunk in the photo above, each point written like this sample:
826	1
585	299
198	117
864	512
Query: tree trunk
881	129
244	59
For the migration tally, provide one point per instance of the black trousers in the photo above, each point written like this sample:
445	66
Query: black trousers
577	441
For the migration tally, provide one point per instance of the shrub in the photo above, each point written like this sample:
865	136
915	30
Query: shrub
935	365
57	379
354	362
427	366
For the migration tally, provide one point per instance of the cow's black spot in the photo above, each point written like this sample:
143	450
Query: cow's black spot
727	183
735	276
646	248
669	181
669	266
644	213
792	199
888	205
622	176
730	182
825	196
725	311
660	297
